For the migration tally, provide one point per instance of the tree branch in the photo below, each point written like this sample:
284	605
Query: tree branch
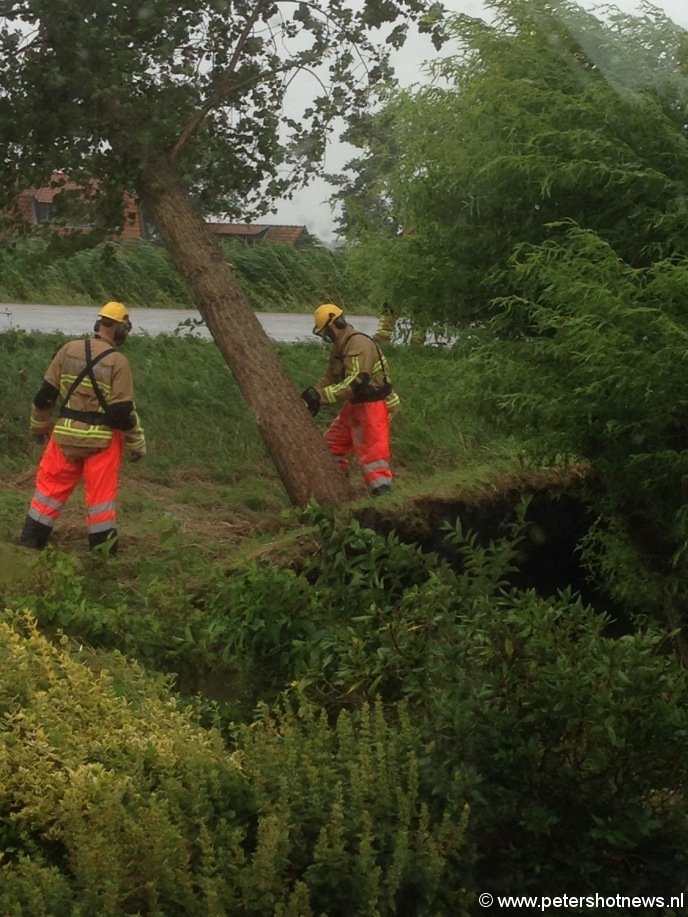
224	84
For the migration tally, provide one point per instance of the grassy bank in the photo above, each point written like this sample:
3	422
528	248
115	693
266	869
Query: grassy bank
207	473
275	277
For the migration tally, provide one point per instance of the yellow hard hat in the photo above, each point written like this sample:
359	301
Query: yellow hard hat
325	314
115	311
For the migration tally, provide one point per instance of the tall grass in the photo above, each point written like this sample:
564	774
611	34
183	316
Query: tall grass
204	449
275	277
195	416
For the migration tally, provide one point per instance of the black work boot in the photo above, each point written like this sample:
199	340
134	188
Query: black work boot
381	490
34	534
106	542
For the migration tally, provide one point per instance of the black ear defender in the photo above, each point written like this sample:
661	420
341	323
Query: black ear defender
122	330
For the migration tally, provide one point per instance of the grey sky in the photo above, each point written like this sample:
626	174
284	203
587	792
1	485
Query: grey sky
310	206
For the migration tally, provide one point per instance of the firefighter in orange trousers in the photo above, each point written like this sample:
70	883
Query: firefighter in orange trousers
96	421
356	377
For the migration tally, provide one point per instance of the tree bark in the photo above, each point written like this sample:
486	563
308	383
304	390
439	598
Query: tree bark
293	441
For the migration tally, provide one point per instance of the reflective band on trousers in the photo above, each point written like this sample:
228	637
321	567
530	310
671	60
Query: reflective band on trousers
44	509
102	526
101	516
43	518
374	466
107	507
40	497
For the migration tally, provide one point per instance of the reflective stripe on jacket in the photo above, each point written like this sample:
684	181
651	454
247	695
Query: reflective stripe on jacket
113	377
352	354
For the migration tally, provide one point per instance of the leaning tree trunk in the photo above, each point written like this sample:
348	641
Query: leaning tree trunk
293	441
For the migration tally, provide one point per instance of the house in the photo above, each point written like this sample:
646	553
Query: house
37	205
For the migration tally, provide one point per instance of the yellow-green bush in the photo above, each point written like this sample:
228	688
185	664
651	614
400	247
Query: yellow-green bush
114	801
104	800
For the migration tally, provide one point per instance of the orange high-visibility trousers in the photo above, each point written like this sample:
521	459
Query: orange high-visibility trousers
363	429
56	478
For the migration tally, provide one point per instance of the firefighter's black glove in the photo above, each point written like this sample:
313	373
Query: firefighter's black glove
311	399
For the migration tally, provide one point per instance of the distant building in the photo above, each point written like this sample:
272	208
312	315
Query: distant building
37	205
258	233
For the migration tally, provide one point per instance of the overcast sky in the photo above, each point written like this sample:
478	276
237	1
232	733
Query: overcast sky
310	207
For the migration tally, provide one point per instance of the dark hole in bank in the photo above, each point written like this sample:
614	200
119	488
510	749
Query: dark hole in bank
549	559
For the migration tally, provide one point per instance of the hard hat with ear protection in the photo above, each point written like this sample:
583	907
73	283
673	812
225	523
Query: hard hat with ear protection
118	313
115	311
325	314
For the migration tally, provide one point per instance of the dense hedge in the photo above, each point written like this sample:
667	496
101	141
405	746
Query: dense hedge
113	801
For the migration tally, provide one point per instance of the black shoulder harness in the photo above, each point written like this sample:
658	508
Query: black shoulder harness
66	411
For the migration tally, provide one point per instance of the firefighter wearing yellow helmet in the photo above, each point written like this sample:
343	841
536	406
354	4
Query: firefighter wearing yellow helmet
357	378
91	382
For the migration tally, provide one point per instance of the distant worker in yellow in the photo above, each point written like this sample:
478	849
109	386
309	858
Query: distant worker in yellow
357	378
387	326
89	382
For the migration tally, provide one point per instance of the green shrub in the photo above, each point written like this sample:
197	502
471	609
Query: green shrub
561	726
346	814
593	377
113	801
106	802
555	725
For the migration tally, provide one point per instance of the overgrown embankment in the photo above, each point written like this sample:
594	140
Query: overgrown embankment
207	479
274	276
367	706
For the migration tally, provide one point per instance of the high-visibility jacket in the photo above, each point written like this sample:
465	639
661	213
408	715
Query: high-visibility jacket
385	327
85	421
357	371
413	330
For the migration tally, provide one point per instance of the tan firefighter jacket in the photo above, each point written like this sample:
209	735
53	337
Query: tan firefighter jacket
84	425
357	372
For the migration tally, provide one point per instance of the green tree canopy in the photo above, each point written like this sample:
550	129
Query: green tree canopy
601	382
89	86
548	113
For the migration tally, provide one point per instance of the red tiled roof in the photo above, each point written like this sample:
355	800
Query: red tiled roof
48	195
133	227
58	183
237	229
288	235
